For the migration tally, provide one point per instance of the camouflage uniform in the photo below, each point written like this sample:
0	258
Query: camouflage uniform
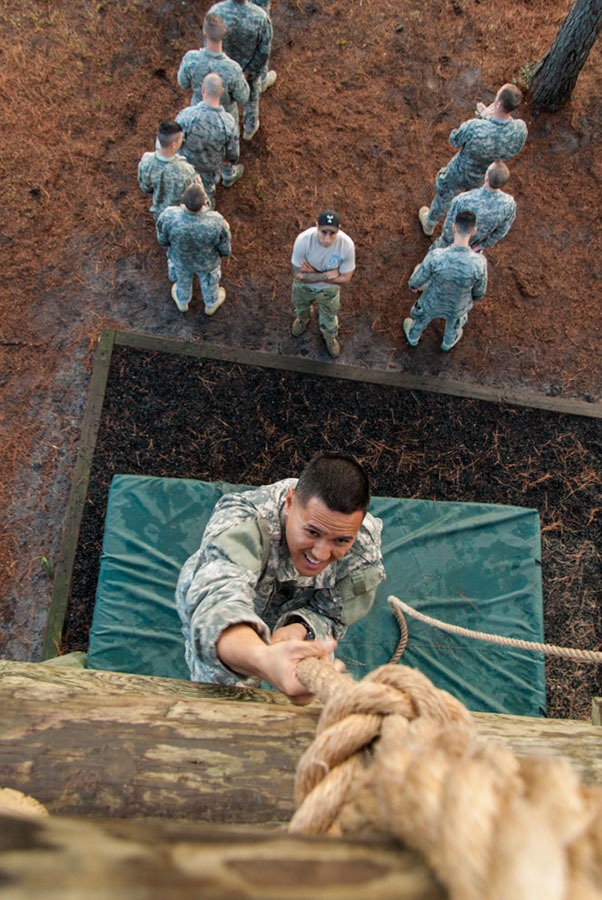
198	63
482	141
210	136
266	5
243	573
196	243
166	179
495	212
248	40
455	278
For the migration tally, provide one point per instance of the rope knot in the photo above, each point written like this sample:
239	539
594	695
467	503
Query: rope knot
396	754
332	770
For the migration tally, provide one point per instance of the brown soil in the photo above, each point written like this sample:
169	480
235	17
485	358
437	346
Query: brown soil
366	96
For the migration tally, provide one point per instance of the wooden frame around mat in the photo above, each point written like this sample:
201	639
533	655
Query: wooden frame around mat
109	338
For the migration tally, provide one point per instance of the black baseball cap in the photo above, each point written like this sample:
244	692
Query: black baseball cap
329	217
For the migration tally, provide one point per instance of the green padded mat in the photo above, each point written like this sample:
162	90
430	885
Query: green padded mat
472	564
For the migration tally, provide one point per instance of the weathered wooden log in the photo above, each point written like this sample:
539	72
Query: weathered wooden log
109	744
56	857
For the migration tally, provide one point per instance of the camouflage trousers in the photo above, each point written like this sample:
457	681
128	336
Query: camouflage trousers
422	316
451	180
210	179
328	300
265	4
251	107
228	167
209	282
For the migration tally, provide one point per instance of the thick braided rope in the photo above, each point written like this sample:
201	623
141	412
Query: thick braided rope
16	803
399	608
350	722
393	752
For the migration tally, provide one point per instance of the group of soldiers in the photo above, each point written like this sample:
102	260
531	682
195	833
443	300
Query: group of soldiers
200	148
453	275
201	145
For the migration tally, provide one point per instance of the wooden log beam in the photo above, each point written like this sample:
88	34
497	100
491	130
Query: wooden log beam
106	744
109	744
124	859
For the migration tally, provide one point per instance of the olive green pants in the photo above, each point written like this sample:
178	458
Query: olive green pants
328	300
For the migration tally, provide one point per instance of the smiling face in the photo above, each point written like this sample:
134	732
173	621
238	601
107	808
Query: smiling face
316	535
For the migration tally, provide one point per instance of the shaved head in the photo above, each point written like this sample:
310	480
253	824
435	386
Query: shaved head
212	85
510	97
498	174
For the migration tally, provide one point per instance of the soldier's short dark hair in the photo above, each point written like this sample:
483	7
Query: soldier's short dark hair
213	27
510	97
336	479
194	197
168	132
465	221
498	174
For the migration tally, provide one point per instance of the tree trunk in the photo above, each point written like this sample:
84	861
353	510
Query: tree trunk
556	75
105	744
111	744
146	860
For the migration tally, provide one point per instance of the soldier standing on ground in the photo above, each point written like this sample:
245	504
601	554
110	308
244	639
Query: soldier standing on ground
211	58
210	136
196	240
455	277
492	135
495	210
164	173
323	258
268	76
248	40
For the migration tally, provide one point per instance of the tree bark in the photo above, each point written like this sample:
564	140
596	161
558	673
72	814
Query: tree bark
109	744
557	73
122	860
106	744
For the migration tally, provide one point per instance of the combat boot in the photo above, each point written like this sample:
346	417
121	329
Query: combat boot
237	173
174	296
269	80
332	345
458	337
221	296
407	324
423	215
249	135
299	326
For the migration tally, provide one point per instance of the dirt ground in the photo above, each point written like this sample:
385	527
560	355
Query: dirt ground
359	118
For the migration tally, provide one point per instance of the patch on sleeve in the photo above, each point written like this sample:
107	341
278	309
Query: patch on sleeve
357	593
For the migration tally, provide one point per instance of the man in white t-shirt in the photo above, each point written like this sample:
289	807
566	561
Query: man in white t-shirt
323	258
